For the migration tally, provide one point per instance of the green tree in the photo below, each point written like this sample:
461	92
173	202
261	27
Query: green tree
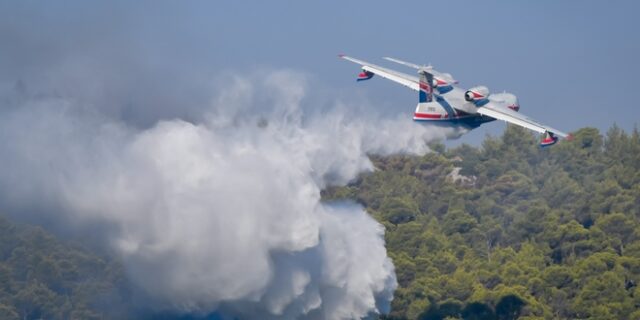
619	226
457	219
509	307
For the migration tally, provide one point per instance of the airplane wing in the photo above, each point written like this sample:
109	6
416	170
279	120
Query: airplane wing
406	80
500	112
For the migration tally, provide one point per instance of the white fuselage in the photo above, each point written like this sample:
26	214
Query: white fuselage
450	105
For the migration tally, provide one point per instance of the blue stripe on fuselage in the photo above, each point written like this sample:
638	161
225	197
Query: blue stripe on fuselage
444	89
422	98
447	107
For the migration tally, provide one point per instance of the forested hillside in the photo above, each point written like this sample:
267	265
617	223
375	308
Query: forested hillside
43	278
503	231
509	230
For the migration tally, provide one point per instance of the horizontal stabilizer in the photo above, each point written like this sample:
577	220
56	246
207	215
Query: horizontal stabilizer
443	79
408	64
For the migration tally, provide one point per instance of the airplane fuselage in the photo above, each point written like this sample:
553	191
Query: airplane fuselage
449	107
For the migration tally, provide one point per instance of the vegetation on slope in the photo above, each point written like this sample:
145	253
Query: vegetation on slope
42	278
503	231
521	232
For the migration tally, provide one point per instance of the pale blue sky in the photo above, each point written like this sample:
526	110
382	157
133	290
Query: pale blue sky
571	63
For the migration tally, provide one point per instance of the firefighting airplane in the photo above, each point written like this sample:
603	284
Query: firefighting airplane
442	102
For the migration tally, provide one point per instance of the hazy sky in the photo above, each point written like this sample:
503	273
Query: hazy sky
84	84
571	63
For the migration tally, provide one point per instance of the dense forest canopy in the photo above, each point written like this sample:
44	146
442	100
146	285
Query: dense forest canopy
511	230
506	230
44	278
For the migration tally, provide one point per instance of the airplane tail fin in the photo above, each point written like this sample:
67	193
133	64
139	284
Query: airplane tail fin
426	89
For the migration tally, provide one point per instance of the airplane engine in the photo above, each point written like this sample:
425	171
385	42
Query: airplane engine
476	94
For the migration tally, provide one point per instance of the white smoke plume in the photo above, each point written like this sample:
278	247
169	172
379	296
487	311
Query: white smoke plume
209	193
221	214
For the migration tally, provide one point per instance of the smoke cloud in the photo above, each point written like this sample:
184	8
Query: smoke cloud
224	214
207	186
